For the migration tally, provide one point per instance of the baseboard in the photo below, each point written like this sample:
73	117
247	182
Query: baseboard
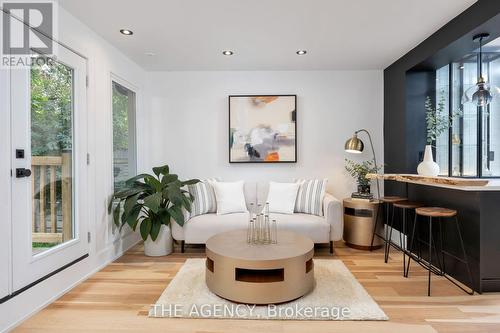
99	261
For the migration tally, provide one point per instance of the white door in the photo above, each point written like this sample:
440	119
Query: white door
49	169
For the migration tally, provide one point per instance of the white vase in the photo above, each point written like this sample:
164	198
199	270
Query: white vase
162	245
428	167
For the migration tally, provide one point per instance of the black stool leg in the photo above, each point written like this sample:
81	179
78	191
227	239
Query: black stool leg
430	258
403	239
386	229
376	225
389	240
464	253
412	243
441	247
441	271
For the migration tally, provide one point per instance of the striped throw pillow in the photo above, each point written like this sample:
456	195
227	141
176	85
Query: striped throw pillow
204	198
310	196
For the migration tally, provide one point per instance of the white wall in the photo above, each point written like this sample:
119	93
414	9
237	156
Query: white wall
191	110
103	59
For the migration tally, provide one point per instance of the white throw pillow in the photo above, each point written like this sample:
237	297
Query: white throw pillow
282	196
230	197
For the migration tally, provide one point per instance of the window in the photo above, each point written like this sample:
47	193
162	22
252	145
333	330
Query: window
52	103
124	151
472	146
442	94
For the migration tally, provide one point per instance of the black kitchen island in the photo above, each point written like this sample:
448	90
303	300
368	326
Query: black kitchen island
479	216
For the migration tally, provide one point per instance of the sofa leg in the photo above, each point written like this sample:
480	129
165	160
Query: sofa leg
331	247
182	246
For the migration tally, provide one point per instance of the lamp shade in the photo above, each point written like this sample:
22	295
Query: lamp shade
354	145
480	94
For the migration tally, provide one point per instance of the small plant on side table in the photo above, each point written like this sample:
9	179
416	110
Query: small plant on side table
359	171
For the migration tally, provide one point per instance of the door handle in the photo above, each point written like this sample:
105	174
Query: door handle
22	172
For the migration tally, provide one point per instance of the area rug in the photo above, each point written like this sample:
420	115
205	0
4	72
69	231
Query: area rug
336	296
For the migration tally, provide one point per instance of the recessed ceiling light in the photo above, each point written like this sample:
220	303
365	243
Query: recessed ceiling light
301	52
150	54
227	52
126	32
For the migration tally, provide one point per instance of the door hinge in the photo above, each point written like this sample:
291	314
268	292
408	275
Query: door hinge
87	81
88	236
88	159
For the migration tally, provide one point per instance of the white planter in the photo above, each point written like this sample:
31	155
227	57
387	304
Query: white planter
162	245
428	167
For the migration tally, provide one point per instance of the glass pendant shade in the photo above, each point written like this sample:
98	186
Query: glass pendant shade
354	145
479	94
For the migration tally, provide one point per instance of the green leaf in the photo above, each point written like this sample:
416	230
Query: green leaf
167	179
155	183
162	170
186	202
133	217
155	229
164	216
176	213
127	192
145	228
130	181
153	201
116	214
129	203
110	204
190	182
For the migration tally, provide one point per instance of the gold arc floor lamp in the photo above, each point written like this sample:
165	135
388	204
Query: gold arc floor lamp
354	145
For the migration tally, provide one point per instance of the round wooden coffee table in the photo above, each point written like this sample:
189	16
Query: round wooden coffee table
259	274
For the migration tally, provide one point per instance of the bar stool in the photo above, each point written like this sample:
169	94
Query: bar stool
406	207
387	203
438	214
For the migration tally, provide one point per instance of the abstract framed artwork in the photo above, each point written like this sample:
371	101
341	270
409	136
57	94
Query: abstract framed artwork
263	128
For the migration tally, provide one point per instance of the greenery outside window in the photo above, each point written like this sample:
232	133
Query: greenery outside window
124	141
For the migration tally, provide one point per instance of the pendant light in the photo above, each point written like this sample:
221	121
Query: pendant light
480	94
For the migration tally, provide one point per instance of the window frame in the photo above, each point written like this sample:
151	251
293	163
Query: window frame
479	129
131	124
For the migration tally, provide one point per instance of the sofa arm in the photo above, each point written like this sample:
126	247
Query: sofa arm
332	209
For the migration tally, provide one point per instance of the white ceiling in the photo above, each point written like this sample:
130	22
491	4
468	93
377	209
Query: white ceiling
265	34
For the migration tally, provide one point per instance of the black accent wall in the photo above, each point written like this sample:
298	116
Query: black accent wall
411	78
407	82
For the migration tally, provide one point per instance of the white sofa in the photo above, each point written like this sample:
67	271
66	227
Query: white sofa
321	229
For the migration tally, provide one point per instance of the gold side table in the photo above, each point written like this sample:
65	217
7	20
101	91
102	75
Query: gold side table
359	221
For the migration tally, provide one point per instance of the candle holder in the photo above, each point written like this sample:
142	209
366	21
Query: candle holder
260	230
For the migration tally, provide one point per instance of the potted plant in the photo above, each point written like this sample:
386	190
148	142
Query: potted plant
359	171
437	123
150	202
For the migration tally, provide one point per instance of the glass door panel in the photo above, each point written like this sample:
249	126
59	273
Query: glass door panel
52	88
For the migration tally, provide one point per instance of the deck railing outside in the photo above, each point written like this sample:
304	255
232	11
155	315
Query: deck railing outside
52	177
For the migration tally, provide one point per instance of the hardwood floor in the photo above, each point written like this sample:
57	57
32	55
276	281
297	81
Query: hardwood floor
117	299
